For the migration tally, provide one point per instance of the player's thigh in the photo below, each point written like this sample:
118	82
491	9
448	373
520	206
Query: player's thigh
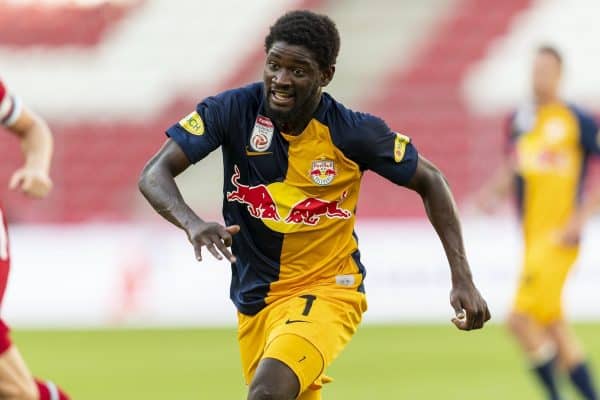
252	338
16	382
315	328
300	356
327	318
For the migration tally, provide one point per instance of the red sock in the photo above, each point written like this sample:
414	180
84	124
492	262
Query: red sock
49	391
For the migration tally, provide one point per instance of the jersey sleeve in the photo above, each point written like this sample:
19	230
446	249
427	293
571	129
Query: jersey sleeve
377	148
204	129
589	133
10	106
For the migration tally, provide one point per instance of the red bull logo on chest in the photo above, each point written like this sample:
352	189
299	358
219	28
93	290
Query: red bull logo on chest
309	211
323	171
298	208
258	200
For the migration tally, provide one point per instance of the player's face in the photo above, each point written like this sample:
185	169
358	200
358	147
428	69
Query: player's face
293	81
546	76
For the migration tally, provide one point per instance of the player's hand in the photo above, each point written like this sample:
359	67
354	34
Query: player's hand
470	308
216	237
571	234
31	181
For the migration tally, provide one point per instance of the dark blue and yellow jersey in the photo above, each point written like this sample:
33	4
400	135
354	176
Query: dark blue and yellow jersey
551	146
294	197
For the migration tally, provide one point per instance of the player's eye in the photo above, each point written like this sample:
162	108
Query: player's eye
273	66
299	72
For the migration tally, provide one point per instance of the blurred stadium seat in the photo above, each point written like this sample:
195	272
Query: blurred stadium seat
132	73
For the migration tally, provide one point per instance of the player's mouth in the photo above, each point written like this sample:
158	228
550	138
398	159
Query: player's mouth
280	98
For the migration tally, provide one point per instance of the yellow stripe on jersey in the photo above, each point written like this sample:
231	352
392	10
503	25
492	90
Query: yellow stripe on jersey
318	198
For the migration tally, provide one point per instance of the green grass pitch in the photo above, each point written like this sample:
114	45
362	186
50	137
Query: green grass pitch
382	362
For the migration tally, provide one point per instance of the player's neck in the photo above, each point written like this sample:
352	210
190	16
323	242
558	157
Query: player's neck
547	100
296	125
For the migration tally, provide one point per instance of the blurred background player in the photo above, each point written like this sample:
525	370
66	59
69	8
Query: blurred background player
16	382
547	147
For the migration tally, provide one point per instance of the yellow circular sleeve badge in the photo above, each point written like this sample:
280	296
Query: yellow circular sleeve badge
193	123
400	146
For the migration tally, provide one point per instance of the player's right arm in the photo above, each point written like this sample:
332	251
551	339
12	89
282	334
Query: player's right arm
501	183
497	188
190	140
157	184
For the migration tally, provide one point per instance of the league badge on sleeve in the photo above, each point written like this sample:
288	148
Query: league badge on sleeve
193	123
262	134
400	146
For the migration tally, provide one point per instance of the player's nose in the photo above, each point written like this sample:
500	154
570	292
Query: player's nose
282	79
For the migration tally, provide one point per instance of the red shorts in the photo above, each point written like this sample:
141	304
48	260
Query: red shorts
5	342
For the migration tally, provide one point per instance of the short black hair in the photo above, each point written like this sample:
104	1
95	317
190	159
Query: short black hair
316	32
552	51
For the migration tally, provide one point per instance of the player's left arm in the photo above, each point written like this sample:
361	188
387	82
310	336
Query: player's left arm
394	157
33	178
470	307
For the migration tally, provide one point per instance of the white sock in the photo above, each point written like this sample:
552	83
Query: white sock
53	390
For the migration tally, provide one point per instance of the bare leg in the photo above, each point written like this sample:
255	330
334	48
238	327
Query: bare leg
273	381
539	348
573	359
16	382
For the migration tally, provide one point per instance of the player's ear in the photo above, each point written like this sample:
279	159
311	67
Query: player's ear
327	75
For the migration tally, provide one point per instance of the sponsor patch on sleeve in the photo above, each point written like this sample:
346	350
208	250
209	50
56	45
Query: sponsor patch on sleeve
193	123
400	146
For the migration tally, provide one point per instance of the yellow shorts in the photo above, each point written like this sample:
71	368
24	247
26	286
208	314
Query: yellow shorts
306	332
545	270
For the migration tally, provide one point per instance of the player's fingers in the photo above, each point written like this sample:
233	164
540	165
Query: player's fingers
488	315
458	308
478	319
225	236
232	229
224	250
15	180
459	323
209	243
473	318
198	251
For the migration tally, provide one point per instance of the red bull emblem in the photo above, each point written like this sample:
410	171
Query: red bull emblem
309	211
323	171
258	200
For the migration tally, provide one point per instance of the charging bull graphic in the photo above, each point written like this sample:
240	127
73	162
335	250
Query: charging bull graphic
309	211
261	204
259	201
